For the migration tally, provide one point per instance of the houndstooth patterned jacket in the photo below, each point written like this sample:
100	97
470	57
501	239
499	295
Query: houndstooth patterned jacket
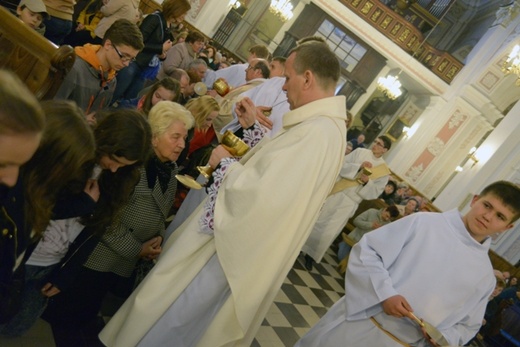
141	219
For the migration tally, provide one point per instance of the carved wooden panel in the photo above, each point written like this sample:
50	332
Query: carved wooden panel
39	63
406	36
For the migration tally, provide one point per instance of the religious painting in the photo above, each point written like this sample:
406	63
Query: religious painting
196	6
395	130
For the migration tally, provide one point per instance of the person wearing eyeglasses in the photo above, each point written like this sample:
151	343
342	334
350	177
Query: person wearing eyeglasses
157	29
363	177
257	72
92	80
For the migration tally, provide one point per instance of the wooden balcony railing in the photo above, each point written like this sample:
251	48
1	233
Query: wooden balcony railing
406	36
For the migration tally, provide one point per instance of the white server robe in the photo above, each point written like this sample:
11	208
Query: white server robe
339	207
428	258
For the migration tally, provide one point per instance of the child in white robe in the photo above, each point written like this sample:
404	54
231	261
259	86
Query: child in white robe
414	265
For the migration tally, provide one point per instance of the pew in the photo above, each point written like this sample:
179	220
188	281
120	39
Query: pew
39	63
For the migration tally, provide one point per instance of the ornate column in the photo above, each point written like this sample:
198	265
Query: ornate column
499	158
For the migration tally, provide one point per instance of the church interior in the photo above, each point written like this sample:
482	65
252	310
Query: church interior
453	118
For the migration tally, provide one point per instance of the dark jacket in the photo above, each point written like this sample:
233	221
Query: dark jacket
155	32
14	236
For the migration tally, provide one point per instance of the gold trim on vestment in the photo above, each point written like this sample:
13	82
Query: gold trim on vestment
344	183
376	323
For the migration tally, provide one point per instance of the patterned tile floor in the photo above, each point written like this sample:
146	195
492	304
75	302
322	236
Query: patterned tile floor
304	298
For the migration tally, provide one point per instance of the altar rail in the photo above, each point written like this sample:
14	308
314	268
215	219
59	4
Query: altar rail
406	36
40	64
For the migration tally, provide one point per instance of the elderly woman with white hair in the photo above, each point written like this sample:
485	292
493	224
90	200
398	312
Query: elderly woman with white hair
136	233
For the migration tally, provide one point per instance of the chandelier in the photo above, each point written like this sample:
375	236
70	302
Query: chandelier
390	86
282	9
512	64
234	3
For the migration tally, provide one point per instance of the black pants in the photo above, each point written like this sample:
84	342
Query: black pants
81	303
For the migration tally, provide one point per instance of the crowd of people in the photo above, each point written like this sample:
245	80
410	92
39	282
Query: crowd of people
88	180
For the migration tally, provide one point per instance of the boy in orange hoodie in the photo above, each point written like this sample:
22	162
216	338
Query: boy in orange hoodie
91	81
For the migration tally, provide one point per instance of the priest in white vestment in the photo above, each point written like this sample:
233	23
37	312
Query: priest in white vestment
435	265
220	271
235	75
352	187
257	72
266	96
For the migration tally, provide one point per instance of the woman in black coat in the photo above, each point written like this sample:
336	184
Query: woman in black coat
21	126
158	39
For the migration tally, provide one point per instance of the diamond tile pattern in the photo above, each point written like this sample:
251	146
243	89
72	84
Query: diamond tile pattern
303	299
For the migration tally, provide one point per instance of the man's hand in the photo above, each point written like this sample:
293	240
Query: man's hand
261	117
217	155
397	306
49	290
246	112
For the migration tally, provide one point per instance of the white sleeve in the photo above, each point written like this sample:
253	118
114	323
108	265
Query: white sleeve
367	281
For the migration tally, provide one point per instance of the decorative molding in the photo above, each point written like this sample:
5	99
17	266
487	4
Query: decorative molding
387	47
433	183
436	146
506	14
489	80
456	120
196	6
414	172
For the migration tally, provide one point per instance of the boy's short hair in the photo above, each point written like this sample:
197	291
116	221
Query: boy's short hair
508	193
260	51
386	140
36	6
393	211
318	58
280	59
262	66
310	39
124	32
